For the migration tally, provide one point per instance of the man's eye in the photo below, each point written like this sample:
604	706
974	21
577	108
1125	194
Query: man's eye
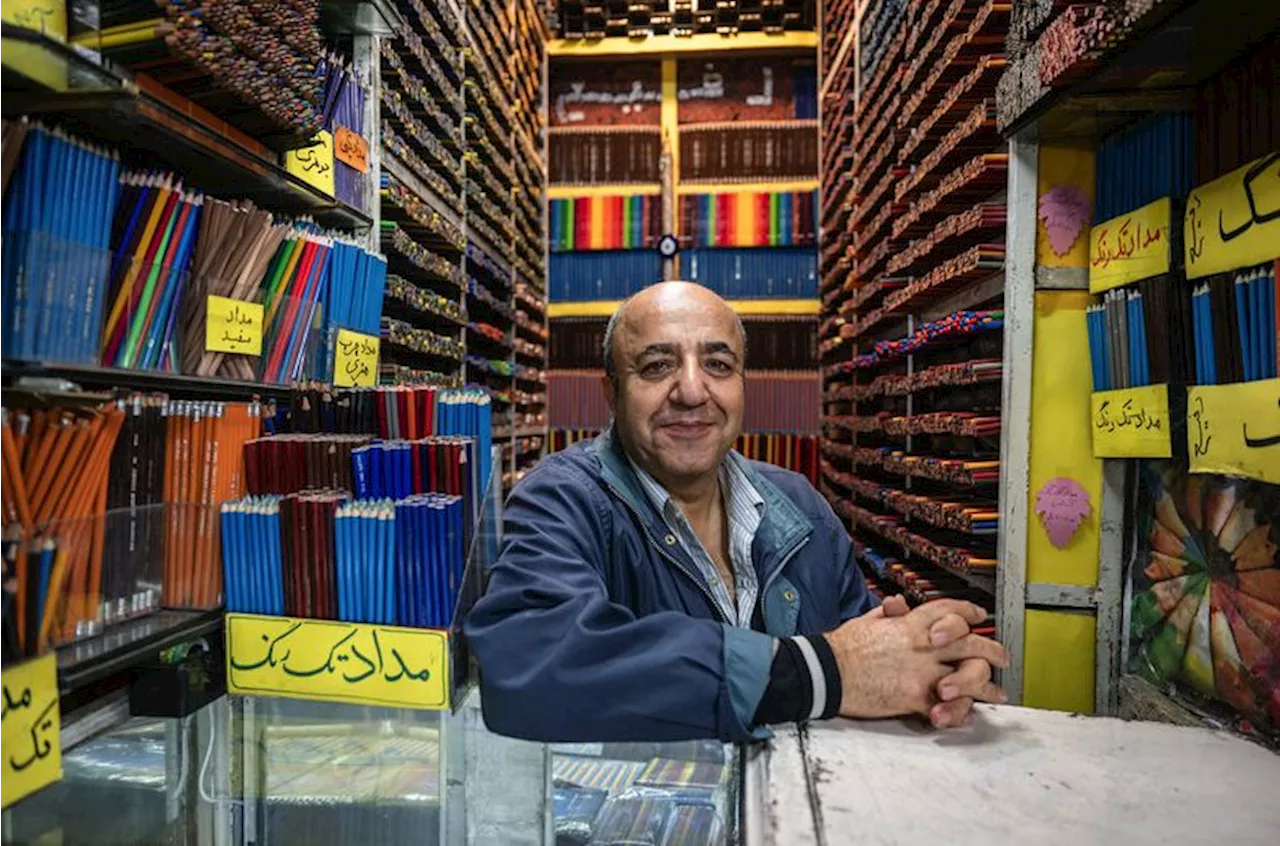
719	367
655	368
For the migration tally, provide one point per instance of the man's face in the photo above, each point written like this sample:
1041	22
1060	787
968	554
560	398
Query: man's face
679	397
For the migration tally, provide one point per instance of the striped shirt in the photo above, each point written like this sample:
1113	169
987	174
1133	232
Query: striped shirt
745	508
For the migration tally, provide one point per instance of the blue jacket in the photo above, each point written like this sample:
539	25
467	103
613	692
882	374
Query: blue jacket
596	627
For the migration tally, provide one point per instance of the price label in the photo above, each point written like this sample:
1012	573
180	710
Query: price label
351	149
1235	429
30	744
233	326
338	662
1234	221
1131	423
355	360
314	164
1130	247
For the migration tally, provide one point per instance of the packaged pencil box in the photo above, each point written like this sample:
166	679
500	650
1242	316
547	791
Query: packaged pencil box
693	825
668	773
576	810
598	773
637	817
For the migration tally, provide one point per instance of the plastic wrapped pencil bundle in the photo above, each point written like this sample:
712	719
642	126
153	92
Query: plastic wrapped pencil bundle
342	108
57	229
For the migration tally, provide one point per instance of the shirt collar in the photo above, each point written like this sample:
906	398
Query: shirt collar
733	482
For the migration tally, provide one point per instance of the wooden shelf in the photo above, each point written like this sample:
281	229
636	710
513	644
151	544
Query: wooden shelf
667	45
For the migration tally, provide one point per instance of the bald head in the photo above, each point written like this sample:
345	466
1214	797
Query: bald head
651	303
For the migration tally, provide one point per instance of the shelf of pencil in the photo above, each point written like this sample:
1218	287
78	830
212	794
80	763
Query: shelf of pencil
130	109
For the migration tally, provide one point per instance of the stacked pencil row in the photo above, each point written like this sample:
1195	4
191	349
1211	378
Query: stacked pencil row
605	223
749	219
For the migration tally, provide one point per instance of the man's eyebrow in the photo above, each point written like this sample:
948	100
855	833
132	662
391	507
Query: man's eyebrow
717	347
657	349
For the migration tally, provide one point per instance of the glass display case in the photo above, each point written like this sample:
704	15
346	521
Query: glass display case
254	771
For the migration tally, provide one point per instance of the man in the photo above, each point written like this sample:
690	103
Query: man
655	585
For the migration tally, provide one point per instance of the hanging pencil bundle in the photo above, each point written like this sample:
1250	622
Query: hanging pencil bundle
342	105
1235	327
155	231
204	467
57	226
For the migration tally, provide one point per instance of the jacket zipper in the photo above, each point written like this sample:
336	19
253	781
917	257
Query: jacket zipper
711	600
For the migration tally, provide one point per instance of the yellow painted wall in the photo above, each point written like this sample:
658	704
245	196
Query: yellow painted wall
1060	438
1064	166
1059	664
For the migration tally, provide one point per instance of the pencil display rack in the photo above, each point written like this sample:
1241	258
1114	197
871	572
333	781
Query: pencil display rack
363	651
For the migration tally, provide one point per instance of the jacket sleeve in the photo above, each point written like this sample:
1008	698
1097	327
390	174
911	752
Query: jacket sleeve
559	662
855	599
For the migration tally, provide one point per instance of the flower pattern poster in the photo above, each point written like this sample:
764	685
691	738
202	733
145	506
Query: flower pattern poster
1204	620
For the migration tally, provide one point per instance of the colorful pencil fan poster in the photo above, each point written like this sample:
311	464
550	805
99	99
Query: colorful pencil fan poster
1205	614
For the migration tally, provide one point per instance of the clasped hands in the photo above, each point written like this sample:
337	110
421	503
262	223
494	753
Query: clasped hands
894	661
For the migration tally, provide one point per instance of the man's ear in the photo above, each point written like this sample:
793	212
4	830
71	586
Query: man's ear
610	392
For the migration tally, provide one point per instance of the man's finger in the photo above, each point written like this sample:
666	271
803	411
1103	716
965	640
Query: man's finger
974	646
932	612
953	714
948	630
895	606
972	679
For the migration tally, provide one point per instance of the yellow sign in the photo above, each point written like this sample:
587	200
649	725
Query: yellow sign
1235	429
314	164
355	360
338	662
1234	221
233	326
1130	247
351	149
31	746
48	17
1131	423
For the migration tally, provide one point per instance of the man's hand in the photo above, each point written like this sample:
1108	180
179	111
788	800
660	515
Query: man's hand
924	661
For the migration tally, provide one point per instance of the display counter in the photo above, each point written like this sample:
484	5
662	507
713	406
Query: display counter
1017	776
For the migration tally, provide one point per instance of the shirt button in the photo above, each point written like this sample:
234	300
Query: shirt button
789	595
670	539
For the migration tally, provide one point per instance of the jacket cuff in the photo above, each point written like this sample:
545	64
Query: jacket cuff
804	683
748	656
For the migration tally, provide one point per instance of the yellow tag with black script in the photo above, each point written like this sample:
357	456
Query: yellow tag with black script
1234	221
1131	423
355	359
326	660
1235	429
1130	247
233	326
30	741
314	164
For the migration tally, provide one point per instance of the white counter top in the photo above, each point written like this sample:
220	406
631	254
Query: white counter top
1018	776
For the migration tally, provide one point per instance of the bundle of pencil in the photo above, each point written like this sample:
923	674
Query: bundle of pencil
237	243
55	488
204	467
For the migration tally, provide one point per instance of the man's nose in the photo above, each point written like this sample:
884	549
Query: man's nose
690	387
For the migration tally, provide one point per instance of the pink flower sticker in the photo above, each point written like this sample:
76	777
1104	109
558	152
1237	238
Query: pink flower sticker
1062	505
1064	209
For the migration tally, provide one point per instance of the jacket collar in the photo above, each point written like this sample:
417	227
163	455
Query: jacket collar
782	526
